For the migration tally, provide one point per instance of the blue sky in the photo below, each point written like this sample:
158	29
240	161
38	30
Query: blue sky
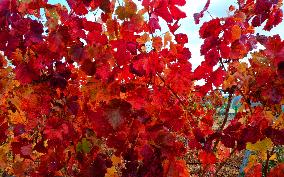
217	8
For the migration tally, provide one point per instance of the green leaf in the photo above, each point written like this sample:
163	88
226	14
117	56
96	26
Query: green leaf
84	146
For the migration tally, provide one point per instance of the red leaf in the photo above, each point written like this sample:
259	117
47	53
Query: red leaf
275	17
176	12
183	54
150	63
4	37
162	11
209	42
18	129
211	28
92	26
254	171
277	171
118	141
146	3
98	166
89	67
52	161
180	77
212	57
280	69
99	123
95	37
217	77
177	2
199	136
78	7
22	147
154	23
181	38
173	118
39	147
25	74
58	81
56	129
174	27
207	158
202	71
225	50
122	56
3	128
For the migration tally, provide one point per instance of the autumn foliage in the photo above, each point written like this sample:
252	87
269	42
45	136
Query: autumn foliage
91	98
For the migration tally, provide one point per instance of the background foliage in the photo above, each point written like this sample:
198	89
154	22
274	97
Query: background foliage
114	97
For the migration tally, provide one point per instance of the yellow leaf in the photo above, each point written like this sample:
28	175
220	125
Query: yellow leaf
279	123
142	11
261	147
111	172
116	160
269	115
273	157
263	155
252	158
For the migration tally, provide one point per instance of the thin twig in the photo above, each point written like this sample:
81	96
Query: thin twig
225	119
210	14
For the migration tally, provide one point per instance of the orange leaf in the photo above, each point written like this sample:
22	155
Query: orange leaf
236	32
